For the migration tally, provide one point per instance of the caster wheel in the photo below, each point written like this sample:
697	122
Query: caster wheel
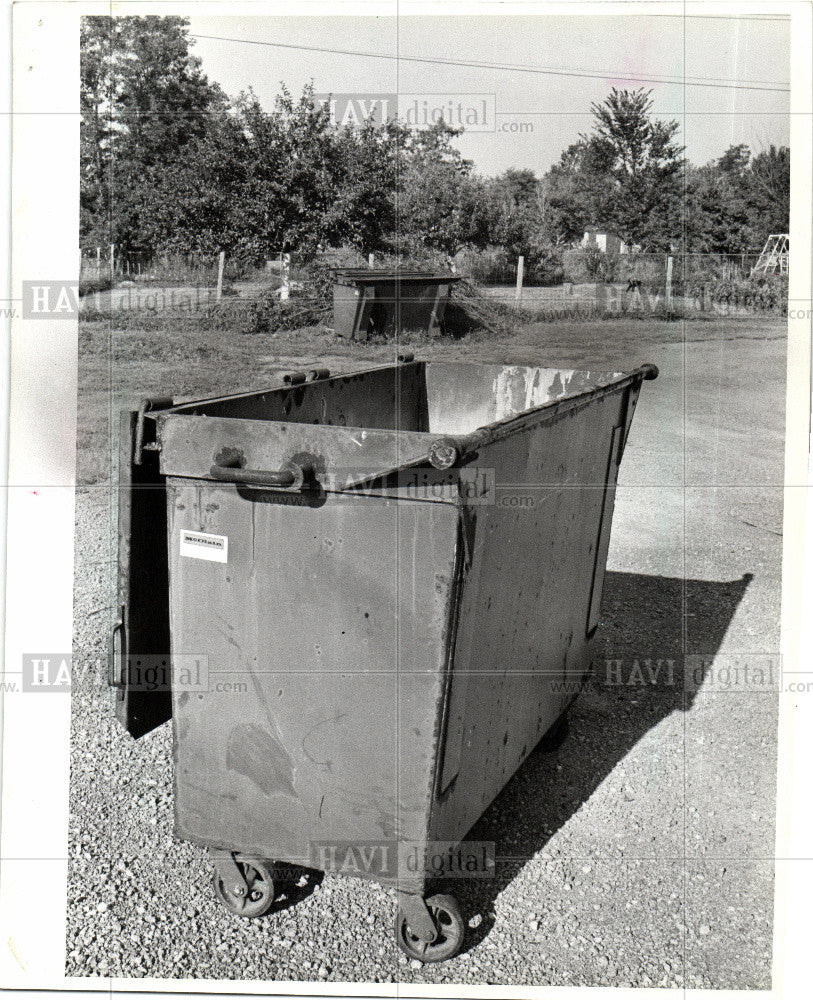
260	895
451	930
556	735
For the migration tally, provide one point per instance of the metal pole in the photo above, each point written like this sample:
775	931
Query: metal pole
220	264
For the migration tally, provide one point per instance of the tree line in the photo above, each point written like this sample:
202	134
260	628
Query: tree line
170	163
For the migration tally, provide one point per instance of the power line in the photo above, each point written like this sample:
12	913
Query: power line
713	82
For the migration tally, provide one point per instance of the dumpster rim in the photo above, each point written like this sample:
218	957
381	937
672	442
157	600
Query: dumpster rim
464	446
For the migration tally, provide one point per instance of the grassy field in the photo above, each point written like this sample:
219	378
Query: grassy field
119	366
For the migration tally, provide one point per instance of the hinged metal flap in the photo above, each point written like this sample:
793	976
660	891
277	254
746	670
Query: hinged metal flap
141	634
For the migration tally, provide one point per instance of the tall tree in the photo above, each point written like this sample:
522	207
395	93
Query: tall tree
770	171
144	98
626	174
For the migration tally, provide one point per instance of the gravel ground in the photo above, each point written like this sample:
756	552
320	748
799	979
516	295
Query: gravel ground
640	853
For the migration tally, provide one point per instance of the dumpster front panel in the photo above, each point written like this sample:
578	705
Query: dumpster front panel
326	634
539	553
190	446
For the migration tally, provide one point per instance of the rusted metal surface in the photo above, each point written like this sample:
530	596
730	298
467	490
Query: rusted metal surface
384	646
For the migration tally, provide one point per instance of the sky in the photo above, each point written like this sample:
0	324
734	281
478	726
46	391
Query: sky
531	116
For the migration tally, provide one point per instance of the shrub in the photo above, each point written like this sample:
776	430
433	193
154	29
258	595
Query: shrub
489	266
583	265
264	314
763	293
87	286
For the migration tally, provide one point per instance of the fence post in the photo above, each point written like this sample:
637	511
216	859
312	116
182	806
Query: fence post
220	264
98	262
520	277
371	260
285	291
669	263
112	261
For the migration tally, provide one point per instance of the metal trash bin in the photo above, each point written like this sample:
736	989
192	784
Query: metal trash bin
387	301
388	581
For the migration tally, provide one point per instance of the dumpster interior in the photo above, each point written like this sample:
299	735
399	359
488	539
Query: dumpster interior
436	397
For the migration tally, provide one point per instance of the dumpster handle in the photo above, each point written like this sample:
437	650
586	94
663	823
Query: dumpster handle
112	680
289	477
310	375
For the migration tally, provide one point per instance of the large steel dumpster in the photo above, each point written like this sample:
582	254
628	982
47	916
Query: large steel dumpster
388	301
381	587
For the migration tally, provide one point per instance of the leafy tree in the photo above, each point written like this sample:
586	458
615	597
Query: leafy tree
144	99
770	173
433	197
734	202
626	175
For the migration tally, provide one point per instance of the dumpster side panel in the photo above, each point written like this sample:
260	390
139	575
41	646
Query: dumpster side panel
326	632
463	397
523	644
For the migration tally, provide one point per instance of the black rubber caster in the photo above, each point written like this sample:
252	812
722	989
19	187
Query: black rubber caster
450	926
260	895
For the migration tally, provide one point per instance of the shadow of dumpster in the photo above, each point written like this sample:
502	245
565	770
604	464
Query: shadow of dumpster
650	624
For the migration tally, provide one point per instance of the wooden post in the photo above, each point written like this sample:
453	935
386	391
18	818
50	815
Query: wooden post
112	261
285	290
220	264
669	263
520	277
98	262
371	260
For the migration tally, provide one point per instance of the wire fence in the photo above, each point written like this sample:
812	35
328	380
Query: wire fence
560	283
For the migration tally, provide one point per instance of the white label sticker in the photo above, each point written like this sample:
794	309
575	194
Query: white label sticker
199	545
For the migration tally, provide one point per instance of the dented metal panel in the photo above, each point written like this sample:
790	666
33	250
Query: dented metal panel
325	667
